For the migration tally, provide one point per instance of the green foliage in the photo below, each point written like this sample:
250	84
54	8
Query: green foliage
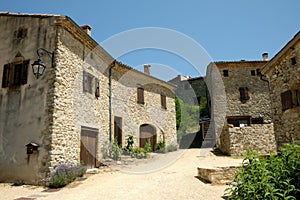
116	151
148	147
172	147
160	147
129	143
64	174
274	177
187	118
139	152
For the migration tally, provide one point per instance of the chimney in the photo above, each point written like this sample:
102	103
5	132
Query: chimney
265	56
147	69
87	29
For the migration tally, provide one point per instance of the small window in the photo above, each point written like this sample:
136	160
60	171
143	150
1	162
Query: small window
257	120
225	73
140	95
298	97
258	72
286	100
239	121
97	88
163	101
15	74
244	94
87	82
293	61
253	73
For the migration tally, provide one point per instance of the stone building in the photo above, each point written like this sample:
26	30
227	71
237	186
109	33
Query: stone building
283	73
241	110
82	101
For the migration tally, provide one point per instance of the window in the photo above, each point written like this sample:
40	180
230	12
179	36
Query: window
286	100
253	73
244	95
87	82
298	97
140	95
163	101
293	61
258	72
257	120
15	74
239	121
97	88
225	73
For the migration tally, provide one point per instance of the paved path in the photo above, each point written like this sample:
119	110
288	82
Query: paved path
175	181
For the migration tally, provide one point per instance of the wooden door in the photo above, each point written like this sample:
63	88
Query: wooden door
88	146
147	132
118	130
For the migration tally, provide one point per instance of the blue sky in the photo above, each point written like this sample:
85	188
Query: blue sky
227	30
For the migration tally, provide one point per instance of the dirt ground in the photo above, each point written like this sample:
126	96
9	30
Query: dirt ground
165	176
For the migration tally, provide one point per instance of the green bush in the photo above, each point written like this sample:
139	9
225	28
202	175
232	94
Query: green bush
129	144
160	147
148	147
172	147
273	177
139	152
116	151
64	174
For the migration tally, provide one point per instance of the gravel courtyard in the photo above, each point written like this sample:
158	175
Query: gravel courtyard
166	176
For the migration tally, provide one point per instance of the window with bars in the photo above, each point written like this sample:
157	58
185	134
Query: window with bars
140	95
15	74
244	94
163	100
287	100
87	82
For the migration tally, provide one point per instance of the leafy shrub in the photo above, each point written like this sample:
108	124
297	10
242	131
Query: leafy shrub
139	153
129	143
116	151
160	147
148	147
64	174
172	147
274	177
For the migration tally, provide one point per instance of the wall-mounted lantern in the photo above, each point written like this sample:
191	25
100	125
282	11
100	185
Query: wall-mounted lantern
38	67
32	148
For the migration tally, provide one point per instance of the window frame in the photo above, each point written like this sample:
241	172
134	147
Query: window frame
15	74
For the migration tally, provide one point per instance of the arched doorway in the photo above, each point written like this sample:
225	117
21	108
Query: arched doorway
147	132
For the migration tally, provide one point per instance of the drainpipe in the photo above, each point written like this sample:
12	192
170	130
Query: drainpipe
110	100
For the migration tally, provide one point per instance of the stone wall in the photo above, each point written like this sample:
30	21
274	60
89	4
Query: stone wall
284	76
124	102
24	111
257	137
226	100
74	108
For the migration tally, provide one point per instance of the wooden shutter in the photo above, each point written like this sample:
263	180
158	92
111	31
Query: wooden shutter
5	77
163	101
87	82
140	95
286	100
244	95
24	73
